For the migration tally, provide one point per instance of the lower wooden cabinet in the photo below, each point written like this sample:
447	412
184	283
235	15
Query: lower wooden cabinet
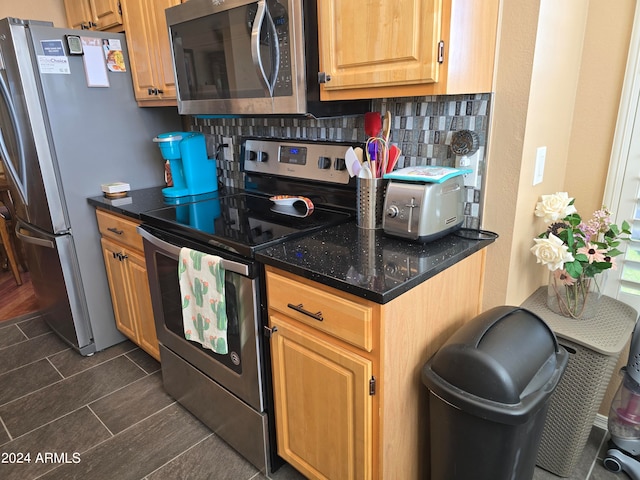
324	404
128	282
349	400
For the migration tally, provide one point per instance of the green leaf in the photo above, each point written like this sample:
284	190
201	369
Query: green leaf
581	257
573	268
574	219
569	240
614	252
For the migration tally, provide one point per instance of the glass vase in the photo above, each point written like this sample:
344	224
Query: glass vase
575	298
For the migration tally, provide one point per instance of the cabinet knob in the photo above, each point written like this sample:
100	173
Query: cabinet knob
323	77
268	332
115	230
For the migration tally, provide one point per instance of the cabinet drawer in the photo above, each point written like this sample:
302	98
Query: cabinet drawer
323	310
119	229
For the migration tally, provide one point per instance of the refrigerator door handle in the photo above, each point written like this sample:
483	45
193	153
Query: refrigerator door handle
20	181
33	236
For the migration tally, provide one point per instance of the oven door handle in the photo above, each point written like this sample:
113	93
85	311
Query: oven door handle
174	251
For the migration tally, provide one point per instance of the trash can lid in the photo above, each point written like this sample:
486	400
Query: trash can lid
502	355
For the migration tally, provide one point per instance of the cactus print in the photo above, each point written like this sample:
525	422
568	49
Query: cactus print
203	299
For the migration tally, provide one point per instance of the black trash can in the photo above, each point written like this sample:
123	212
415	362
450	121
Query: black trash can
489	390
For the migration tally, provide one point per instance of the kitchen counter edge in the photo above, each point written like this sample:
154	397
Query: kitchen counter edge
369	264
365	263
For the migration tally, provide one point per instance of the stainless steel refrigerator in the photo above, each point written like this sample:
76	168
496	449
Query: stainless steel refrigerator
60	139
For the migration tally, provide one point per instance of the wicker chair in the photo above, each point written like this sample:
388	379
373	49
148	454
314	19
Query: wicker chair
8	240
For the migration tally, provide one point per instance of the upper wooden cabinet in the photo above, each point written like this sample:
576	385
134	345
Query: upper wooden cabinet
94	14
406	47
149	51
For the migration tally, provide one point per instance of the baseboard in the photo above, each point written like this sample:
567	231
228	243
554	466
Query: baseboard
600	422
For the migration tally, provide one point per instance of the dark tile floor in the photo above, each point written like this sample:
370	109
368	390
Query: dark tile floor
100	417
590	465
107	417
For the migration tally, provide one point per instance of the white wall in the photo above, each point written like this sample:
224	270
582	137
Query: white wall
50	10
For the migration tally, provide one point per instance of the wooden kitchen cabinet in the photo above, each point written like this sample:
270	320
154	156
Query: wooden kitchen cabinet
127	275
349	400
150	51
406	48
94	14
322	394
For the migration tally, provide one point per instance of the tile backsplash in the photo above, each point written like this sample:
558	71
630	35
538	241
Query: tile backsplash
421	127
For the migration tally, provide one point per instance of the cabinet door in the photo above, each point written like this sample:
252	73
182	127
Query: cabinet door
78	13
140	48
377	44
141	304
119	286
149	52
323	408
107	13
165	78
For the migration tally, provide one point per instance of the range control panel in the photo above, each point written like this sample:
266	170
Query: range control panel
318	161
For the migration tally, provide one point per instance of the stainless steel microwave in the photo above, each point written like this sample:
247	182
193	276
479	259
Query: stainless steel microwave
248	57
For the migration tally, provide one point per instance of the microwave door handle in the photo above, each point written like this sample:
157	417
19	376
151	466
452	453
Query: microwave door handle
261	13
275	50
20	183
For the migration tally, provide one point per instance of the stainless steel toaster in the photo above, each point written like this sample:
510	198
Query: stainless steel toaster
423	211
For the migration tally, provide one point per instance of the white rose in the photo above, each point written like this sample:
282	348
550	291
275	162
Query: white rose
551	252
555	207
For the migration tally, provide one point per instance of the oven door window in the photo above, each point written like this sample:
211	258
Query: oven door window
215	58
172	310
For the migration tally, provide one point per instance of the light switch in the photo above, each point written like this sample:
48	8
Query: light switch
538	173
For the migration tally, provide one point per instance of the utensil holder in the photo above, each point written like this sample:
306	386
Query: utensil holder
370	197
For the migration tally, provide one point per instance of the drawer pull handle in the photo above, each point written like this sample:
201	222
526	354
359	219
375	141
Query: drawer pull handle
300	308
115	230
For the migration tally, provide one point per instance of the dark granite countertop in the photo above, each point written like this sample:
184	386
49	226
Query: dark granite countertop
369	264
366	263
135	203
147	199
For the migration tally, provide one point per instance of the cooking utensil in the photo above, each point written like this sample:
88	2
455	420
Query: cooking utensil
386	132
365	172
352	163
394	154
372	124
386	128
372	155
360	154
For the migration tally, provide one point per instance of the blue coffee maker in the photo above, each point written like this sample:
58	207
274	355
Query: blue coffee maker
192	171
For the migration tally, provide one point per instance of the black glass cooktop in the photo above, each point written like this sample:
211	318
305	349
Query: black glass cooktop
242	222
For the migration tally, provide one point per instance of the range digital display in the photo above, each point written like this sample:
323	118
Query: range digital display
293	155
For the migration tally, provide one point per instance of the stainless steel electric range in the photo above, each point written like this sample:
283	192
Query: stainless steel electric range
231	393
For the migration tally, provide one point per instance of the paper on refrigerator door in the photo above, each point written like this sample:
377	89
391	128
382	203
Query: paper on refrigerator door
54	60
94	62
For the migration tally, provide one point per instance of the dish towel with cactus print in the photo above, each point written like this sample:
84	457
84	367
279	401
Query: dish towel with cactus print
204	313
